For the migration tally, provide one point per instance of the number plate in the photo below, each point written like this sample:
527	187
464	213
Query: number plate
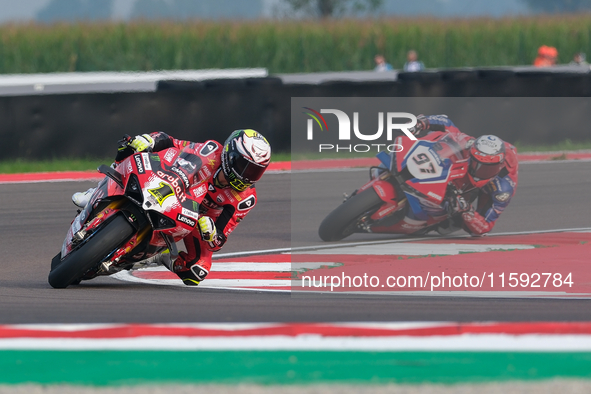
424	164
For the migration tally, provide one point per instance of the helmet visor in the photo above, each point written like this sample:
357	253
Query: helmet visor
244	169
480	171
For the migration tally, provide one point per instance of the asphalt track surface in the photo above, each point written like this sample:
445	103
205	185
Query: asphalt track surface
35	217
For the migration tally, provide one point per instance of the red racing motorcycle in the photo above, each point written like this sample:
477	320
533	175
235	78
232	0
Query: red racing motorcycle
409	193
139	209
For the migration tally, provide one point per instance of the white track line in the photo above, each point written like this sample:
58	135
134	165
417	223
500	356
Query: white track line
465	342
396	240
251	284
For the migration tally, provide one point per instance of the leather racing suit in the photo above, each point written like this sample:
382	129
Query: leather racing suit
492	198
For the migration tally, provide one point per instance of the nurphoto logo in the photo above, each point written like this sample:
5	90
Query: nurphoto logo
344	130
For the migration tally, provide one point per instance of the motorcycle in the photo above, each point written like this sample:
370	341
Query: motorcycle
411	192
139	209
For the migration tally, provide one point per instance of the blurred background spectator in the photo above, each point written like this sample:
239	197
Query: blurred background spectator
579	60
412	63
546	56
202	34
381	64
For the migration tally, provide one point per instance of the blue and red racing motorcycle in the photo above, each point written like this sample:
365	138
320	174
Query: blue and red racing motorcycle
409	193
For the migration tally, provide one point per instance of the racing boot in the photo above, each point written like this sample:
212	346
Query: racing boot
160	258
449	226
80	199
191	274
190	277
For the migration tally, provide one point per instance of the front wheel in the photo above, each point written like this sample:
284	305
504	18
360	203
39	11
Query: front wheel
91	253
343	221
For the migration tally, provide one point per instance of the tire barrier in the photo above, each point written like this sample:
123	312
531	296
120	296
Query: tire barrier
89	125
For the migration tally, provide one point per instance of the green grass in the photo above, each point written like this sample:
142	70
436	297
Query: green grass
23	166
281	156
89	164
133	367
566	145
330	155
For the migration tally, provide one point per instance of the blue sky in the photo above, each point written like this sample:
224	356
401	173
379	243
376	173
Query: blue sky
23	10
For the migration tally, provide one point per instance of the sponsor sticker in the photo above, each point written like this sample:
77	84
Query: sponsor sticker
201	190
207	202
435	196
381	191
128	168
502	197
169	155
181	175
190	213
204	173
175	185
139	164
147	164
186	220
386	211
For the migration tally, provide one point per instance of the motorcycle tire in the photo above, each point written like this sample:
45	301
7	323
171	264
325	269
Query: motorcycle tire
90	253
342	222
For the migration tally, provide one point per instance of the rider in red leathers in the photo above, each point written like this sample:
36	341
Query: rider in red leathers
491	179
228	173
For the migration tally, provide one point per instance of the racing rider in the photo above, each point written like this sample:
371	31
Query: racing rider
491	178
229	171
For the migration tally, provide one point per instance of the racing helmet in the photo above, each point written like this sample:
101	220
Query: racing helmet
487	159
245	157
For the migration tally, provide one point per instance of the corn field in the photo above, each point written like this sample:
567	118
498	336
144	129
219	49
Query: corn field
287	46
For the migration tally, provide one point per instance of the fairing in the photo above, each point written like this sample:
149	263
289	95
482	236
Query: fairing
158	186
421	172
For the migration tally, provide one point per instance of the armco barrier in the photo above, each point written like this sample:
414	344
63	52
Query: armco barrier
78	125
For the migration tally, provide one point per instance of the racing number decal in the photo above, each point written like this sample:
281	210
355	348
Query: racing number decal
161	193
424	164
422	158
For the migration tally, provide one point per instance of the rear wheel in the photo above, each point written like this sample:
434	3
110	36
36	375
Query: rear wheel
90	253
344	220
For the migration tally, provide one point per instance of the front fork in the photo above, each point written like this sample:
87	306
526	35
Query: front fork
387	192
110	266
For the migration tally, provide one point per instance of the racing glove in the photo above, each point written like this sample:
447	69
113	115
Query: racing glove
422	124
142	142
207	228
458	204
209	234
